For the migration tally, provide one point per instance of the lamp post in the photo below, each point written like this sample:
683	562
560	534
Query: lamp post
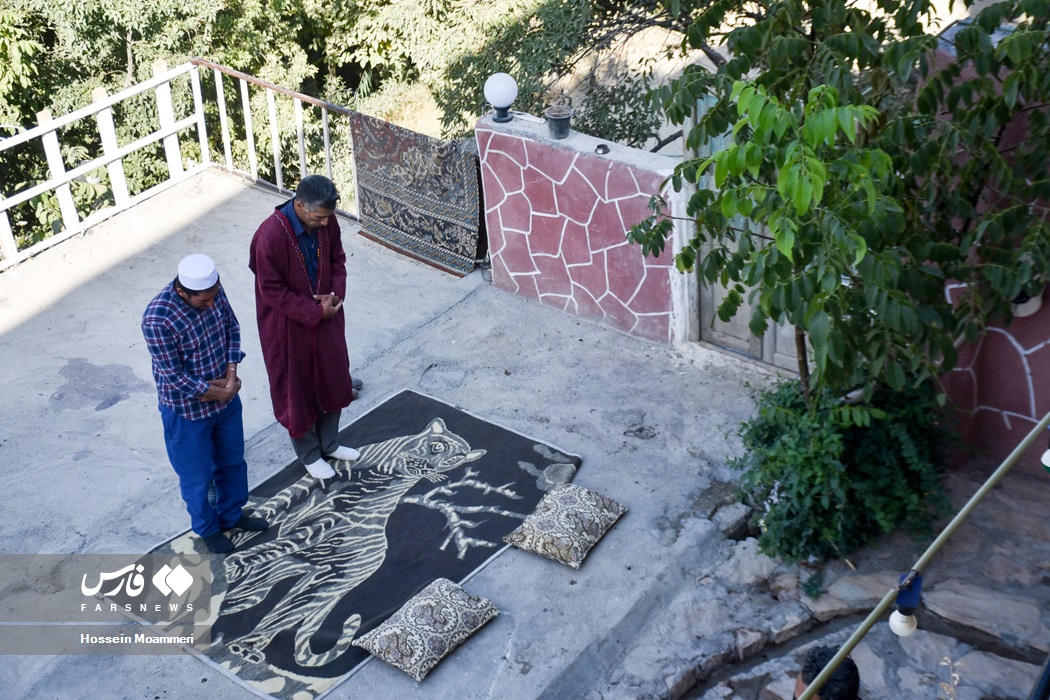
501	91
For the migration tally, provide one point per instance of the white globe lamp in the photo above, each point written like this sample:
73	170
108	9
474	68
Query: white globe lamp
501	90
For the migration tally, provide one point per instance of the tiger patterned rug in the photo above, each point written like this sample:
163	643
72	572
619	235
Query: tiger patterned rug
433	494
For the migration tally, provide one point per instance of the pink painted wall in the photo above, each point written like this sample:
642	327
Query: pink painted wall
1001	386
557	215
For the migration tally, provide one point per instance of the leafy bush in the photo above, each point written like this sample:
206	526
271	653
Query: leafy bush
825	480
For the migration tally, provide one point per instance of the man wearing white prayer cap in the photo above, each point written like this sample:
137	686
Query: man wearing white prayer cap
194	340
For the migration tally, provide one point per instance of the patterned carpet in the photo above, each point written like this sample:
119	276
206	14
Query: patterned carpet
417	194
432	496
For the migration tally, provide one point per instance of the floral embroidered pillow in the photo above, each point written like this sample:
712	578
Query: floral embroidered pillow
566	524
428	628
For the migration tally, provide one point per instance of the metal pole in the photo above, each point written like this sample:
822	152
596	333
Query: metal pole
945	535
1041	691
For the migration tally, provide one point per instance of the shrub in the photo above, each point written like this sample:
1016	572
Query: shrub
825	480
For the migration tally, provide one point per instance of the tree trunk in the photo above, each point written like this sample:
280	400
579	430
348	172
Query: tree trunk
803	364
129	79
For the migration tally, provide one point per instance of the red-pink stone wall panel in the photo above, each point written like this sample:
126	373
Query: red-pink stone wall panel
1001	386
557	222
576	197
621	184
547	235
553	278
494	192
516	213
575	246
508	145
592	277
541	192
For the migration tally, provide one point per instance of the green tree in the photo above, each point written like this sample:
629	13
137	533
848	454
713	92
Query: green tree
452	46
878	173
855	174
60	52
112	43
18	68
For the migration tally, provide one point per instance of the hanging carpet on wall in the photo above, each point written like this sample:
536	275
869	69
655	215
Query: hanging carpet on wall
417	194
435	491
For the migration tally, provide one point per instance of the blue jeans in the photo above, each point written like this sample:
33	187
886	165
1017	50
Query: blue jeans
206	452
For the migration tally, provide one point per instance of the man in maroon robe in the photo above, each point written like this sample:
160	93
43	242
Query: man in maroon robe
300	284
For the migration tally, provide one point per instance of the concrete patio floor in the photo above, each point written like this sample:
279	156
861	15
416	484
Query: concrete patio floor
84	468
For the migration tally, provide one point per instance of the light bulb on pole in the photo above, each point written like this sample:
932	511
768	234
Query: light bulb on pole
909	593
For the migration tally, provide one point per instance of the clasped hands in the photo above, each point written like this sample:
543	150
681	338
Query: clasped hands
223	389
330	304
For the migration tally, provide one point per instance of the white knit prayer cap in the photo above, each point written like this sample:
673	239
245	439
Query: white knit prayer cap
197	272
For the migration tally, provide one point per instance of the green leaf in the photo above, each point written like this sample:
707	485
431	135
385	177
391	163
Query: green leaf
728	204
895	376
818	327
785	240
1010	88
721	168
739	161
847	124
862	248
803	195
753	159
787	181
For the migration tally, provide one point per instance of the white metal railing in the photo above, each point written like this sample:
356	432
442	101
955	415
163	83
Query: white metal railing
168	134
273	93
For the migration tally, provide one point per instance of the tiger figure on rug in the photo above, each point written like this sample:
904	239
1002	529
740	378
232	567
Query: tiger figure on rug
331	541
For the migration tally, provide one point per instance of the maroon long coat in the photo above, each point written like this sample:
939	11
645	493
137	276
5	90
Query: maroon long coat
306	357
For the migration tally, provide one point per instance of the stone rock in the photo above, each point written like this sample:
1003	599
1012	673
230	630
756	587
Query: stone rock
794	622
1015	619
1006	569
781	689
931	647
719	692
731	519
785	587
747	566
1011	521
748	643
864	591
872	668
680	681
826	607
991	673
921	682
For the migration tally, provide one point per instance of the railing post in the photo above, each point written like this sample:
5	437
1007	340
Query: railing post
253	159
275	138
301	137
7	239
220	97
166	112
327	144
198	110
108	134
66	205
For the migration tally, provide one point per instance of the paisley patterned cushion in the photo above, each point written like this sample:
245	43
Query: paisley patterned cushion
568	521
428	627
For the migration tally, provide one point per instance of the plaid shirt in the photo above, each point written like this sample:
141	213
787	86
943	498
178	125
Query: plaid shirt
188	348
